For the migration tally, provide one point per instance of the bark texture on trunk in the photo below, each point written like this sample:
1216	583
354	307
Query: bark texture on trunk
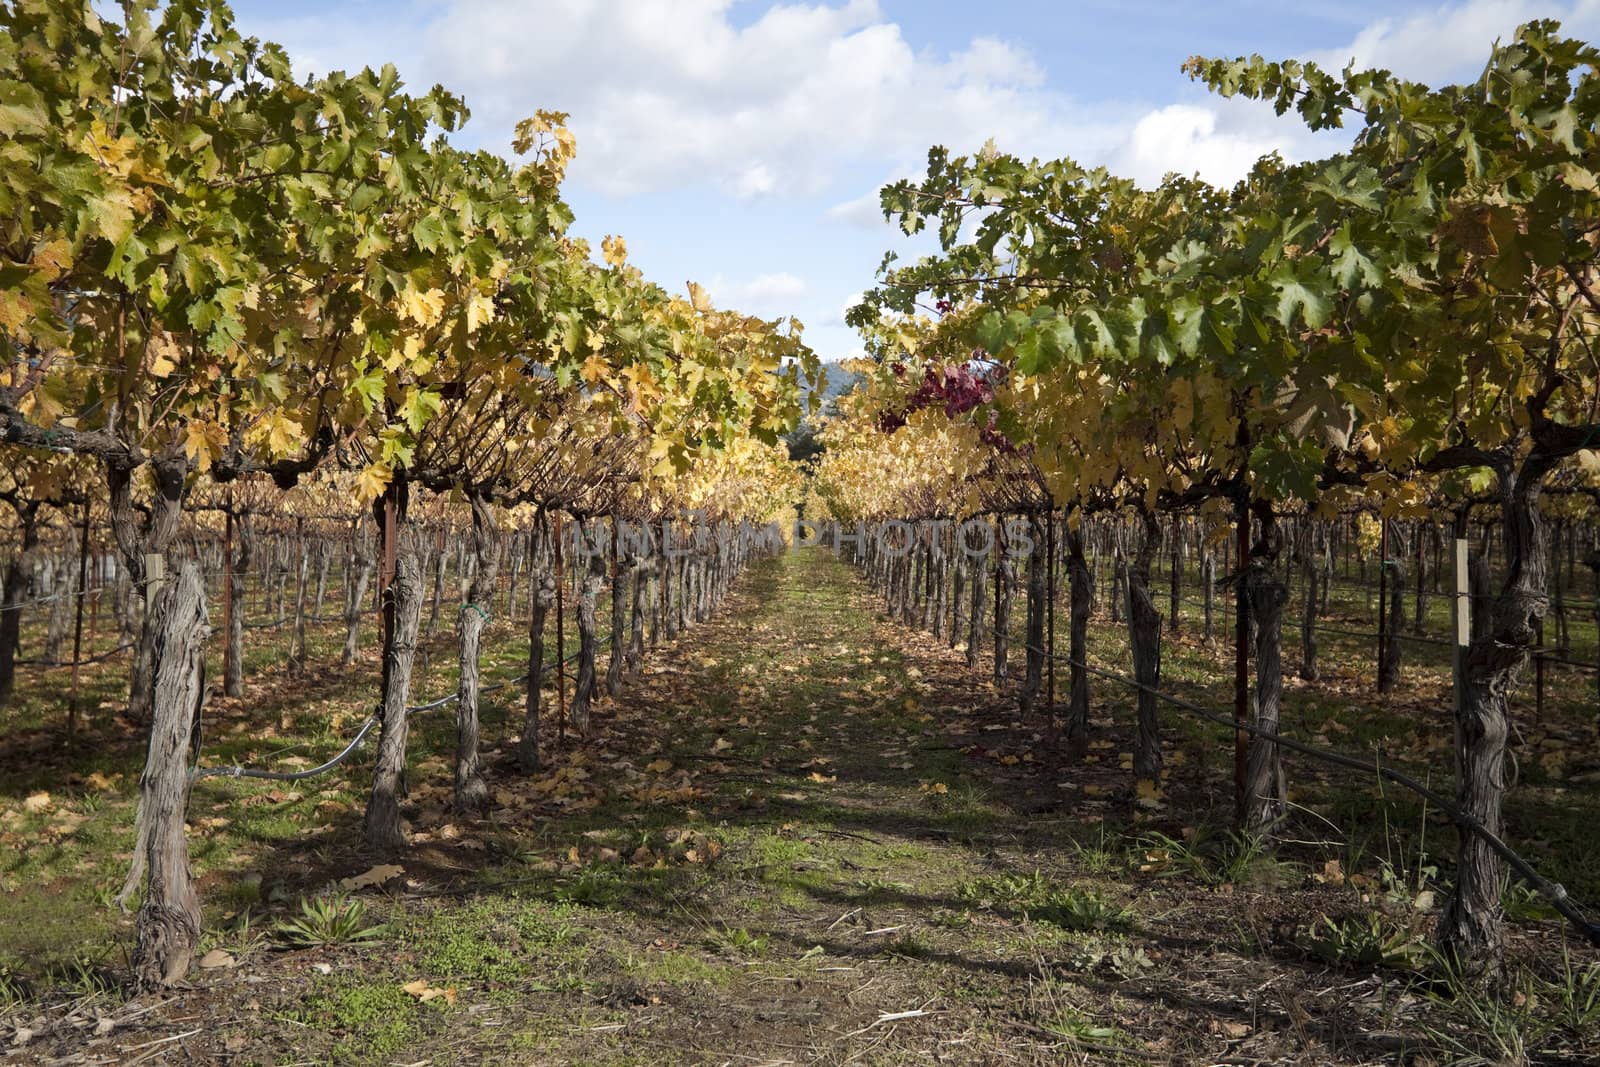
1081	591
958	599
133	543
233	672
543	580
1470	929
1175	577
168	924
1005	581
16	591
471	794
583	694
1315	586
1144	635
623	567
1265	793
978	580
1033	672
1396	608
382	824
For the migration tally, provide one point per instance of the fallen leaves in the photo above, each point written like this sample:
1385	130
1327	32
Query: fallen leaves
425	992
378	875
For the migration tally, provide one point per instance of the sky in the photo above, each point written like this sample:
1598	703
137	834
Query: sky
741	143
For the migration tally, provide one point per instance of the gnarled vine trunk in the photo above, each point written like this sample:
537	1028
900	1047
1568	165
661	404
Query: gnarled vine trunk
233	673
134	543
1264	790
471	794
1005	580
978	572
1033	670
1470	928
1144	636
1081	591
584	689
543	581
16	591
168	924
382	823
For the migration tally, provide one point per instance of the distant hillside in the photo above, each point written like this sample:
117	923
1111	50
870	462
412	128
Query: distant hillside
840	382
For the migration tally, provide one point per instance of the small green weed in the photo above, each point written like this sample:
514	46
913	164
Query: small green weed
1040	899
739	941
1370	940
325	921
1229	857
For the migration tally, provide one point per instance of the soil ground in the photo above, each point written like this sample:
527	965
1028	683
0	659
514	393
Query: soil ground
802	835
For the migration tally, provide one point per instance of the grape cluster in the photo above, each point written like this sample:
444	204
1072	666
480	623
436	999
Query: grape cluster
959	389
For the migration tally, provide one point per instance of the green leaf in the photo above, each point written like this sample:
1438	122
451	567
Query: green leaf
428	232
1297	298
1350	264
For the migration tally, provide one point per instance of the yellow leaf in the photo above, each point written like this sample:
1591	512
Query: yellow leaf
422	308
594	369
615	251
818	776
660	766
480	310
52	258
372	481
699	297
283	434
203	442
36	802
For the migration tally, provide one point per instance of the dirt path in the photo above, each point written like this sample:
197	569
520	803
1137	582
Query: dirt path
803	835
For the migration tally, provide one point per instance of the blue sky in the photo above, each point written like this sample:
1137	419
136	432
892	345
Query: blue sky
740	143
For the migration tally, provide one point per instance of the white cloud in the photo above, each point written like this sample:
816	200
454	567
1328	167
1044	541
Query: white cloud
864	210
670	93
767	295
1220	140
818	98
1452	41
